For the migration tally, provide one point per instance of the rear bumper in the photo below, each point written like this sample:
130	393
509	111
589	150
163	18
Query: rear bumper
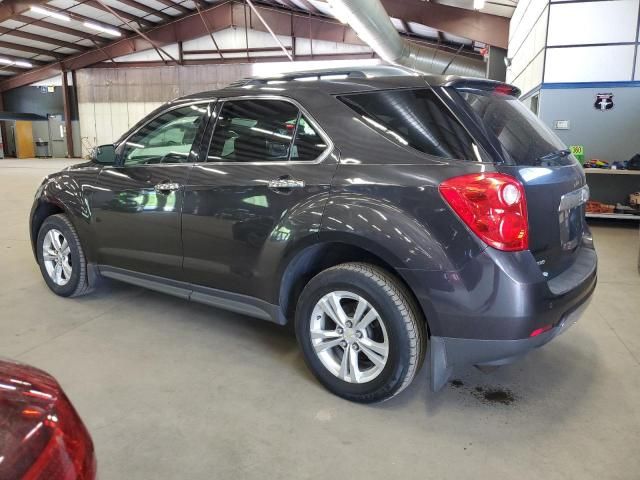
485	313
451	355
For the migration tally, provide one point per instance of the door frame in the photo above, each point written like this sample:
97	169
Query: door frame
212	102
211	126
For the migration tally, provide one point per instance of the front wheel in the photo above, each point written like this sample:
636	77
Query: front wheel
61	258
360	332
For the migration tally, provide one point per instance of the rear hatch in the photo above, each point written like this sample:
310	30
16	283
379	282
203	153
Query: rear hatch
554	181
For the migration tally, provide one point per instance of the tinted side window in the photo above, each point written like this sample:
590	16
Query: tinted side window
416	118
308	144
253	131
165	139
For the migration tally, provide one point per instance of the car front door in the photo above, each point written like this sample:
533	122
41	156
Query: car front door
137	206
259	187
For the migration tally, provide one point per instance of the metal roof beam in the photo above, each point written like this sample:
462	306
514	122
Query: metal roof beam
54	26
13	58
483	27
132	18
28	49
144	8
42	38
176	6
11	8
12	69
311	7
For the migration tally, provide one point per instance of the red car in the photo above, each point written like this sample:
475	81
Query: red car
41	435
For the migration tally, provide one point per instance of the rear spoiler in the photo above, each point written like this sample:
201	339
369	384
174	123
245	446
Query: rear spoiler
484	85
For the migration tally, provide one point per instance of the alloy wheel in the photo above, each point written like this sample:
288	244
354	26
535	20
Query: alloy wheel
349	337
56	255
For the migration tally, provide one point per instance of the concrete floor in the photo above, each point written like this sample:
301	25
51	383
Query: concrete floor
171	389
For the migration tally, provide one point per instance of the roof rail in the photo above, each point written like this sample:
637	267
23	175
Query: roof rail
326	74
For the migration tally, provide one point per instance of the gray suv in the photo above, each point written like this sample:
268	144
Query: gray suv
379	211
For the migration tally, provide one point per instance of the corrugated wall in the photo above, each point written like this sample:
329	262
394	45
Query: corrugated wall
110	101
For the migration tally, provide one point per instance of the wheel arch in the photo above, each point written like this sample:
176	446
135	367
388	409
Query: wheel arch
312	259
42	210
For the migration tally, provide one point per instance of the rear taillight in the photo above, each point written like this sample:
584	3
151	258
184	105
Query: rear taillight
41	435
493	206
68	453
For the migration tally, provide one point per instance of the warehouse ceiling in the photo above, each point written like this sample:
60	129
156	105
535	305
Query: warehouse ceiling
41	38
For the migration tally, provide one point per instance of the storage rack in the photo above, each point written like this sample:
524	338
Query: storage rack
601	172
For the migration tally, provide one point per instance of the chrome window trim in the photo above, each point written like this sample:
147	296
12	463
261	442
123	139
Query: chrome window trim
327	152
171	108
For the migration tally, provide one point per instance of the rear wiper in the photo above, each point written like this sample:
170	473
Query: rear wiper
552	155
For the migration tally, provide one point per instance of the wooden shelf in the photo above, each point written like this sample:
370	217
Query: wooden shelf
617	216
608	171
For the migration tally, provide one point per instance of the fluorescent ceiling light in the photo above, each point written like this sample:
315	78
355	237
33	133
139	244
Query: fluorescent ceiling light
44	11
17	63
478	4
100	28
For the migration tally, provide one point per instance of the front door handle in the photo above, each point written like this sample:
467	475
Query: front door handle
167	187
286	183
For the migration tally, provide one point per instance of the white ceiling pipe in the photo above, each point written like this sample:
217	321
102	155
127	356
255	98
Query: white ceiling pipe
370	21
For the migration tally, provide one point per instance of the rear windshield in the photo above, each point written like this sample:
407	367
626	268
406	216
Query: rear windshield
515	129
415	118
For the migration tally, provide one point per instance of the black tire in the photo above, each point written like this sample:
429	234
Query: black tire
78	283
405	328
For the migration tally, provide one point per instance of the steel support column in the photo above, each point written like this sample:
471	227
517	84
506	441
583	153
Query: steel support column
67	115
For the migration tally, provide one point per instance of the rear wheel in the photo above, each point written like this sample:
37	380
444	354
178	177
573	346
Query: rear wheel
61	258
360	333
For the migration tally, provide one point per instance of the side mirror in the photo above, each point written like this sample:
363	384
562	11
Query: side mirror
104	154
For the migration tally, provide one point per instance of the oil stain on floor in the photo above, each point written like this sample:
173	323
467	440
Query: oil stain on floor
487	395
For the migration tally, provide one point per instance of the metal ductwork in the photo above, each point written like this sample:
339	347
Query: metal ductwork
370	21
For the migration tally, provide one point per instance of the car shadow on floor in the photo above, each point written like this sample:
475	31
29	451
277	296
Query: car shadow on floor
562	369
559	374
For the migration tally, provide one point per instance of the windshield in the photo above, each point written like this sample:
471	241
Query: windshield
519	133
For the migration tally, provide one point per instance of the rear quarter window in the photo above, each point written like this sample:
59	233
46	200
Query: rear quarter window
414	118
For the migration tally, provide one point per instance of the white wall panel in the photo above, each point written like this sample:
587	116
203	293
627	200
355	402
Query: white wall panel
103	122
531	47
518	14
637	75
520	27
531	76
589	64
303	47
593	22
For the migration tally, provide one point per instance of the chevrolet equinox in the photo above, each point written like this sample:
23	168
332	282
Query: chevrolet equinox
377	211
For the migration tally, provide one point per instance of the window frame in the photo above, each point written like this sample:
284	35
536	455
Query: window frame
191	159
302	112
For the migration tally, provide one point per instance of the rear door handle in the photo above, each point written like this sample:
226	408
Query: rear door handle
286	183
167	187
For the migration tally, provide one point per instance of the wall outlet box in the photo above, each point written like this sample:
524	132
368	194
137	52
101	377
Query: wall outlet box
561	124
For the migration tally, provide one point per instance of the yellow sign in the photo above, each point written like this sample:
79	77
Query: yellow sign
578	152
577	149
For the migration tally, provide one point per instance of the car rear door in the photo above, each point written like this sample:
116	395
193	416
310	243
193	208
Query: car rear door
137	205
260	187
